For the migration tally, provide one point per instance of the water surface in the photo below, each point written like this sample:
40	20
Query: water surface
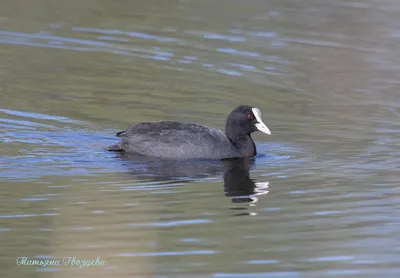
320	200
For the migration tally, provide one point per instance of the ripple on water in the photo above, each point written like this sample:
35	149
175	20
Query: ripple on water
170	253
119	42
172	223
53	146
325	214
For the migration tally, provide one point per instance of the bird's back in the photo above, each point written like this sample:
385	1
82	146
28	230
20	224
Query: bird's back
176	140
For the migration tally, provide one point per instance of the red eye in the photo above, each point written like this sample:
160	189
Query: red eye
250	116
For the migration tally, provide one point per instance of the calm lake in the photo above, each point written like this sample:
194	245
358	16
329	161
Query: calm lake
321	198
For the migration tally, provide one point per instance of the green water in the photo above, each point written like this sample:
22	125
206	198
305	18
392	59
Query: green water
324	74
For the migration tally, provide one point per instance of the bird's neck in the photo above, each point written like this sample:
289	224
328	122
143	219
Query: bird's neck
243	142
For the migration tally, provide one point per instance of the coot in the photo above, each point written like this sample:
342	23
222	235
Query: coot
186	140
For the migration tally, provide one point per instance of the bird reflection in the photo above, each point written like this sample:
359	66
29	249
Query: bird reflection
235	172
239	185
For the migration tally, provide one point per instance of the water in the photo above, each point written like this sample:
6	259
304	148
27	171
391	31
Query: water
320	200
